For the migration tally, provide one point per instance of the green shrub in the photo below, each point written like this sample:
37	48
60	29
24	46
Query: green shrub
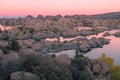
53	45
78	68
13	44
30	61
115	72
31	30
5	37
58	38
53	55
5	49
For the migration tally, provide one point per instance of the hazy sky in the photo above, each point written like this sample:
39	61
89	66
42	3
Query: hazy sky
53	7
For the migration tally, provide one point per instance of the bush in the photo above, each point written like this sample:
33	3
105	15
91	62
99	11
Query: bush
53	55
13	44
29	61
115	72
58	38
5	37
53	45
31	30
5	49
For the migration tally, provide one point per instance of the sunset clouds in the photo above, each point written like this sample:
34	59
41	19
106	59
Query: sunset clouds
53	7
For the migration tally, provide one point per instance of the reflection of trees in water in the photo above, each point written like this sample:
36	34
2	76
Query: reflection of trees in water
115	69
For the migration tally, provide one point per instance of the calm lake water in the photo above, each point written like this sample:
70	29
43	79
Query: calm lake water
111	50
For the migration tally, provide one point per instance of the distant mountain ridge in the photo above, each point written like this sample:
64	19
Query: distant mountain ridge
111	15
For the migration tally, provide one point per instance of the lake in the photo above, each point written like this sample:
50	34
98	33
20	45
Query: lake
111	50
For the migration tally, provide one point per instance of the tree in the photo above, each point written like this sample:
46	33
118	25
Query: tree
5	35
31	30
53	45
78	69
78	54
21	35
58	38
30	61
78	40
115	72
53	55
13	44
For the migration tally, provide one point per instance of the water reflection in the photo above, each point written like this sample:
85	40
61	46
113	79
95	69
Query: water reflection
62	39
5	27
112	50
80	28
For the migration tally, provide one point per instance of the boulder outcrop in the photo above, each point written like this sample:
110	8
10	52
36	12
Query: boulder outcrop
21	75
98	69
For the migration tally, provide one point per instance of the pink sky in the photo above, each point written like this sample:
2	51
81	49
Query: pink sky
53	7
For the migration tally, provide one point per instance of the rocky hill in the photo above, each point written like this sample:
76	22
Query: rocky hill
106	19
112	15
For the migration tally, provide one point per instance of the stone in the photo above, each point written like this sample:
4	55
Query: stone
96	69
105	66
3	43
84	46
21	75
26	51
10	63
92	44
1	53
99	69
63	59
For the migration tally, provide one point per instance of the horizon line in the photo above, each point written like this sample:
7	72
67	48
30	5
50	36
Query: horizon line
22	16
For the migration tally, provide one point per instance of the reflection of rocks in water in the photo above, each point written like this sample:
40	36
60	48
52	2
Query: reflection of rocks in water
3	28
84	46
94	42
106	34
117	34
